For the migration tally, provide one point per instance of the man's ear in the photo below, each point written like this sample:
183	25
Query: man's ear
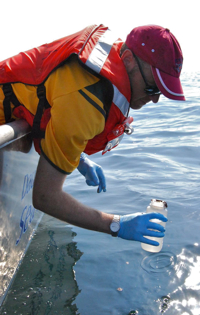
128	60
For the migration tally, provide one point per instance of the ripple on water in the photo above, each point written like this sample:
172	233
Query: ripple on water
160	262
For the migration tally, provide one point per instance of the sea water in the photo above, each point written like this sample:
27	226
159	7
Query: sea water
68	270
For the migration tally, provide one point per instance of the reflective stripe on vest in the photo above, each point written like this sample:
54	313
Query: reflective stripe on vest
101	51
96	62
120	101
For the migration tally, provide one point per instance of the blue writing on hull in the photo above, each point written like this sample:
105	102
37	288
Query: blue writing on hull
26	219
28	184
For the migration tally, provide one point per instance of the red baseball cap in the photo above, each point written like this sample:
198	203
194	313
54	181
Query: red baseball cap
159	48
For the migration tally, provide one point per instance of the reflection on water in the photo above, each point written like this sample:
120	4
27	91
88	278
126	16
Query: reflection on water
45	282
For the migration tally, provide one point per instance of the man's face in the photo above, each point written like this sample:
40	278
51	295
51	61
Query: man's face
138	95
139	98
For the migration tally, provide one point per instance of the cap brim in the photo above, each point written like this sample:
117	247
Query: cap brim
169	86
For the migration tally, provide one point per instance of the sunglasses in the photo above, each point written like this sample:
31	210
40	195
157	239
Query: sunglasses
149	90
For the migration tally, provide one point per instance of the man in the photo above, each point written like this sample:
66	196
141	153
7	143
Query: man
76	93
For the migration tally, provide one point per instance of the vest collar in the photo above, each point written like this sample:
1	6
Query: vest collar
105	60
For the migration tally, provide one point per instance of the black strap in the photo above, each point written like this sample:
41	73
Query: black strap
42	104
41	93
9	97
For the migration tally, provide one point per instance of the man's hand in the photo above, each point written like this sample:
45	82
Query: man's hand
93	173
138	225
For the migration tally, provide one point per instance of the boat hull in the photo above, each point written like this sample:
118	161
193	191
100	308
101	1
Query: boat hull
18	218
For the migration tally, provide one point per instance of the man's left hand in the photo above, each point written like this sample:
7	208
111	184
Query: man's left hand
93	173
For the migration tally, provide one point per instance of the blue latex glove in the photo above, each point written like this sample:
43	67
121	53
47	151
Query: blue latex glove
136	226
93	173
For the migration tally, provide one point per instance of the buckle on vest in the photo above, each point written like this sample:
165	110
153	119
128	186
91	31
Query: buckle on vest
116	135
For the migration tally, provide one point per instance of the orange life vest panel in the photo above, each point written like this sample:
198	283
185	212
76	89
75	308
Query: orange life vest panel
98	49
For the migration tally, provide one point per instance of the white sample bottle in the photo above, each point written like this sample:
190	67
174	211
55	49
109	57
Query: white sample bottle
158	206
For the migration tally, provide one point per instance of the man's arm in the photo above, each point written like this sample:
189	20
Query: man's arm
49	197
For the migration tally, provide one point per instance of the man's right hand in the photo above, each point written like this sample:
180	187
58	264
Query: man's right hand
138	225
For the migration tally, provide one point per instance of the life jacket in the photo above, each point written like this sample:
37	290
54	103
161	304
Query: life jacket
98	50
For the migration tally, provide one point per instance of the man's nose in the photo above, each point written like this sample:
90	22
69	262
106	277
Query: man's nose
155	98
